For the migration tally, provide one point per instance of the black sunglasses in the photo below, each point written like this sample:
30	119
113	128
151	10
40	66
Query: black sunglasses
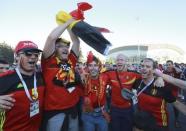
29	54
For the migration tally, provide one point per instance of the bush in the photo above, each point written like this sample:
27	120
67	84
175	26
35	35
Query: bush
6	53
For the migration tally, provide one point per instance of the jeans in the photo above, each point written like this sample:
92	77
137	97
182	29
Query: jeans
93	121
55	123
121	119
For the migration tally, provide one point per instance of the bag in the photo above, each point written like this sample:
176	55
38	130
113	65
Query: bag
127	94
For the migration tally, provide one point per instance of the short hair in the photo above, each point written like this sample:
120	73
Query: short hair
154	63
3	62
62	40
169	61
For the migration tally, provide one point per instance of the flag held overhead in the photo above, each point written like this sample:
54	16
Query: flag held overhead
89	34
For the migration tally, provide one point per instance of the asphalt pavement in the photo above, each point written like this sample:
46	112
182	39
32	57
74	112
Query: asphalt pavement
182	120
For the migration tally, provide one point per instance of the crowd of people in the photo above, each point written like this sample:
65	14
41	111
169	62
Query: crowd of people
68	95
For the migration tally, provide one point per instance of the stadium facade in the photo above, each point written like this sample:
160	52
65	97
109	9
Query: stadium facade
159	52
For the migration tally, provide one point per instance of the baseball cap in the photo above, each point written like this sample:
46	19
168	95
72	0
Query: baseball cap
26	46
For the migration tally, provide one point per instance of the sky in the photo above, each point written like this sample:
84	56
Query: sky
131	21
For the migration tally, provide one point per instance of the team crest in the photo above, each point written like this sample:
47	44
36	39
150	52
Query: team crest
20	85
154	92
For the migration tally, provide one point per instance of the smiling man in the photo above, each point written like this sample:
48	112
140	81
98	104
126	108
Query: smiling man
121	108
58	65
94	114
151	100
22	91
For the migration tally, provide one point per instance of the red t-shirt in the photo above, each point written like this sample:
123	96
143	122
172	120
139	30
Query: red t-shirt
18	118
175	75
57	97
95	90
152	100
127	80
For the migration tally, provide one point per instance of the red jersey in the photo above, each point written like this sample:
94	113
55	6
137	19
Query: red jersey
127	80
152	101
95	90
175	75
56	74
18	118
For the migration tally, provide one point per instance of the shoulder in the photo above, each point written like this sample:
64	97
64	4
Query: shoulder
7	80
5	74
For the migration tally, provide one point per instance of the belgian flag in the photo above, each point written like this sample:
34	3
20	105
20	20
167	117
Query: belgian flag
89	34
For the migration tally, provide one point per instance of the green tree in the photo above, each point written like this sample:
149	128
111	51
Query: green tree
6	53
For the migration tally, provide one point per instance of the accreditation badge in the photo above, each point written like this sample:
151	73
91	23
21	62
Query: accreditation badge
34	108
127	94
134	100
71	89
135	97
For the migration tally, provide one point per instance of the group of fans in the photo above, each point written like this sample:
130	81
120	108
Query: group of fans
66	95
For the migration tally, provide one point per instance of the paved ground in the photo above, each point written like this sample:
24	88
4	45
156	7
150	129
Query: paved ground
182	119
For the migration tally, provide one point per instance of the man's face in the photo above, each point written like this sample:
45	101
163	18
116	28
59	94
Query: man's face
3	67
121	62
146	69
27	60
62	51
93	68
79	67
169	66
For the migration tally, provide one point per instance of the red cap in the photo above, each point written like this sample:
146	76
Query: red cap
26	45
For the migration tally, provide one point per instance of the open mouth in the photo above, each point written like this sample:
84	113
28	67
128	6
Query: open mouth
119	65
65	52
144	73
31	62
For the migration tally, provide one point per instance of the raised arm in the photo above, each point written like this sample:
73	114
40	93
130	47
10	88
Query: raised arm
49	47
172	80
180	106
75	42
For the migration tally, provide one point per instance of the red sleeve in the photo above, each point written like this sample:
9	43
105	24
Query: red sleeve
46	62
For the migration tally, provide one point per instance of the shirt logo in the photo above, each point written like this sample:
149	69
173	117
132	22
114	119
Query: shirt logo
20	85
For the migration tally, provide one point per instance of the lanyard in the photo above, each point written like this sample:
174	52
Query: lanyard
25	86
117	75
145	86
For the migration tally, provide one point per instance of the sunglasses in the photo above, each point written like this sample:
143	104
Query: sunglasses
62	46
29	54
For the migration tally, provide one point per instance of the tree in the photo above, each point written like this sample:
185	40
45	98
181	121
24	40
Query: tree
6	53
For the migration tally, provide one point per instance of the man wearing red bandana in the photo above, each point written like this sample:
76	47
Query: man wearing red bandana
94	113
62	93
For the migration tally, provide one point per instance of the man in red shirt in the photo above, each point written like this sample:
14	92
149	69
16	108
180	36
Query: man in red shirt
151	100
121	108
172	71
22	91
62	93
94	112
